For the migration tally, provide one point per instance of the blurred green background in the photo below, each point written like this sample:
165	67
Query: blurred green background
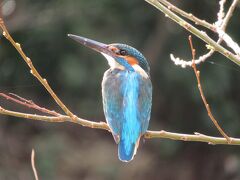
66	151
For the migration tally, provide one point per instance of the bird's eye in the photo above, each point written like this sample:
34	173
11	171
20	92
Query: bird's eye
123	52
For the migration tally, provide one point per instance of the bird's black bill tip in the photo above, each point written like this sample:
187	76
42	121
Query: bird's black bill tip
76	38
95	45
79	39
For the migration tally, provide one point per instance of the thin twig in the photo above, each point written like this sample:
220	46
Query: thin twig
220	14
189	16
200	34
229	14
28	103
61	118
221	30
148	135
197	74
33	164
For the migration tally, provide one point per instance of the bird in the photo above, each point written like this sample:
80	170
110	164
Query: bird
126	93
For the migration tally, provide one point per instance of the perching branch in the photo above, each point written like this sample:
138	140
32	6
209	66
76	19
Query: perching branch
59	118
197	137
200	34
74	119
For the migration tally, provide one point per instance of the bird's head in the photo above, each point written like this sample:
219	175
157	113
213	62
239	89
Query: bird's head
119	56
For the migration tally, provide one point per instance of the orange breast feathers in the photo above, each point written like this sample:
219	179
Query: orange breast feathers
131	60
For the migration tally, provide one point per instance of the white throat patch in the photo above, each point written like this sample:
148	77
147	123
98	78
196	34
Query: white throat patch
138	69
112	62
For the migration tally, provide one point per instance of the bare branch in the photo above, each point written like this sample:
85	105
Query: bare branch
197	74
221	29
33	164
189	16
184	63
28	103
220	14
148	135
190	137
229	14
229	41
62	118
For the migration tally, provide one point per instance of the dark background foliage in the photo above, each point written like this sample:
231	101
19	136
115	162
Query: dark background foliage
69	151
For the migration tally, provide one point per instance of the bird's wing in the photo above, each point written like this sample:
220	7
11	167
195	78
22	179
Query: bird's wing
112	101
144	102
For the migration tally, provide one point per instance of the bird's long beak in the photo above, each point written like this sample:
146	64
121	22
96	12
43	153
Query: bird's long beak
97	46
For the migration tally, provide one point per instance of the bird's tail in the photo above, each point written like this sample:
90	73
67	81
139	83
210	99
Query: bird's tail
127	150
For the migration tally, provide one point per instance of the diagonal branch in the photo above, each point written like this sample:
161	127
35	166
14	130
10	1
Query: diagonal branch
35	73
200	34
221	29
189	16
28	103
229	14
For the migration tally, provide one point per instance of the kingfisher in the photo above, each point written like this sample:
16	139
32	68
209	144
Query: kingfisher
126	93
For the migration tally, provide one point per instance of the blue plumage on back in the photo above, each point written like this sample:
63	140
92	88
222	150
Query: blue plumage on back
131	126
127	106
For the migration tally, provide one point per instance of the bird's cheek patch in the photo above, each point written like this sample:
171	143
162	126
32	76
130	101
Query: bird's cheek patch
131	60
